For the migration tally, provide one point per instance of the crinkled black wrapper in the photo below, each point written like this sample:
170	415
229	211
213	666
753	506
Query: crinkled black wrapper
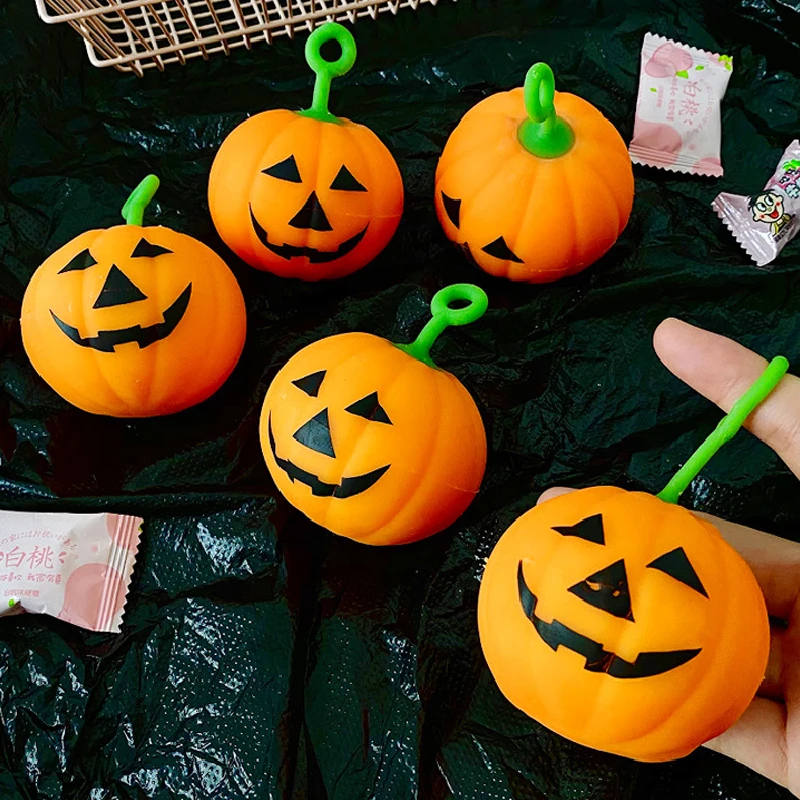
262	657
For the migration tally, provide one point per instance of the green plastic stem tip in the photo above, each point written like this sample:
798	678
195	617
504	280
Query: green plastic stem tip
328	70
726	430
444	316
544	133
133	210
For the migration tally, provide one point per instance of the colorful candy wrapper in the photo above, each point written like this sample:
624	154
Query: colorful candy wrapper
765	222
76	567
678	125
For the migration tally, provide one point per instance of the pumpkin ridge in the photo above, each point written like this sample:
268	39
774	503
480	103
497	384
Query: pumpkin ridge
355	354
433	424
476	193
296	119
523	220
213	277
96	353
455	161
588	166
354	138
576	251
152	356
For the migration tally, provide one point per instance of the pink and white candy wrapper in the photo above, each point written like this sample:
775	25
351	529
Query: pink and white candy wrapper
765	222
678	125
76	567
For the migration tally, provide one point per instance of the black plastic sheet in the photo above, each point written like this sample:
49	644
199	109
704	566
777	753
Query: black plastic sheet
262	657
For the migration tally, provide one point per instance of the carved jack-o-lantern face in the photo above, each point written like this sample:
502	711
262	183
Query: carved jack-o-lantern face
133	321
306	194
623	622
371	443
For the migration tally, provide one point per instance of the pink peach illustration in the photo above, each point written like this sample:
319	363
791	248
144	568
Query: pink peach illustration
667	61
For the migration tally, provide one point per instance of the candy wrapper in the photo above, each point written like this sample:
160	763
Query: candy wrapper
765	222
76	567
678	125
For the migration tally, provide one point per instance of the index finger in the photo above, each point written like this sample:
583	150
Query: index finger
723	370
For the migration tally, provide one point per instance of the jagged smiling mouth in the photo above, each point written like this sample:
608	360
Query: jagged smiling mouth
106	341
314	256
349	487
555	634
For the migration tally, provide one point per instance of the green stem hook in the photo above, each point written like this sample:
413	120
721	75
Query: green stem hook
544	133
726	430
140	197
444	316
328	70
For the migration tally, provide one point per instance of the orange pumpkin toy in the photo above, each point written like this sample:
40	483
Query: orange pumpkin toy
370	439
534	184
624	622
134	321
307	194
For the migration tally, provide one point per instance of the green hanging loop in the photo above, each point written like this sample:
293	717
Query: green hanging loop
328	70
444	316
726	430
544	133
140	197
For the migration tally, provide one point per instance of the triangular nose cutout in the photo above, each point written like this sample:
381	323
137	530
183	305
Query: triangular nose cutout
607	590
316	434
118	290
311	216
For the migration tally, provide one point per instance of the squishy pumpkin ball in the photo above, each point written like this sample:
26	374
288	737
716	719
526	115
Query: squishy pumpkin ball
370	439
134	321
534	184
307	194
623	622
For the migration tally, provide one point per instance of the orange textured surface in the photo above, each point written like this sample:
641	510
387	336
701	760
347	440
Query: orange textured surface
556	216
433	448
651	718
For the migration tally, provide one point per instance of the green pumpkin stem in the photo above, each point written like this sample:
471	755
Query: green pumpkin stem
140	197
327	70
726	430
544	133
444	316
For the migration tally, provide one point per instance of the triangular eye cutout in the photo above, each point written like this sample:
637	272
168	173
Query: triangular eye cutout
83	260
676	564
285	170
499	249
369	408
590	529
345	181
146	250
607	590
311	383
452	208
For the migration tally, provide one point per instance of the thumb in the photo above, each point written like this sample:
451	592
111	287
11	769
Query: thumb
555	491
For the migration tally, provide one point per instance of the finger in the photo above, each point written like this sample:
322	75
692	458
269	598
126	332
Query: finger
722	370
758	740
775	563
772	685
555	491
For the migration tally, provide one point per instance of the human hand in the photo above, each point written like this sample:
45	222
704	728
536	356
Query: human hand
767	736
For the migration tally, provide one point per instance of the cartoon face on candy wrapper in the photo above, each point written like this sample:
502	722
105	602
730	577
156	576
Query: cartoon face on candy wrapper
766	207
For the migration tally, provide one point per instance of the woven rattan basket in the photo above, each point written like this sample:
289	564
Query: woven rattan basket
133	35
